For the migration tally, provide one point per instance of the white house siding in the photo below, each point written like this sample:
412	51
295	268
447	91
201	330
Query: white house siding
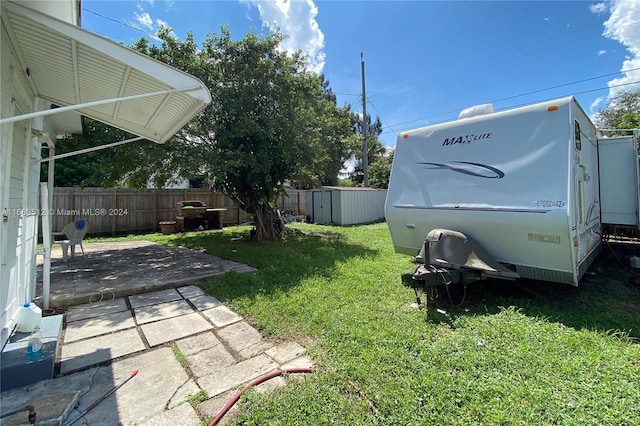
66	11
18	192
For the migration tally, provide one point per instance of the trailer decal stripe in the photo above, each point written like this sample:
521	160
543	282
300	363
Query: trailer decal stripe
475	209
468	168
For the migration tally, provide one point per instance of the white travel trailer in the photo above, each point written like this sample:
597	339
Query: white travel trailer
511	194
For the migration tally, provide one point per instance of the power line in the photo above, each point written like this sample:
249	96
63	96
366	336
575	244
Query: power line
515	106
514	97
120	22
381	117
377	94
566	84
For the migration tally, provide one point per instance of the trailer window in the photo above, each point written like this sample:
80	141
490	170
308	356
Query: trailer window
576	137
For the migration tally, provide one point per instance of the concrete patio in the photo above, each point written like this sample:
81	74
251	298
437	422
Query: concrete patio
131	306
110	270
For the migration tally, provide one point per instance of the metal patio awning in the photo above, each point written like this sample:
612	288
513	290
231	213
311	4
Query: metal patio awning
81	71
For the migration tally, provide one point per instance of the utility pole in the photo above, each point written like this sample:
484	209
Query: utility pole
365	151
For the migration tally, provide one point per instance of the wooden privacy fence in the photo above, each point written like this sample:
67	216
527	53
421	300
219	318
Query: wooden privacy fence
128	211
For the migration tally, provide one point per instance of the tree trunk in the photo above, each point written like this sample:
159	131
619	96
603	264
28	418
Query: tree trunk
263	220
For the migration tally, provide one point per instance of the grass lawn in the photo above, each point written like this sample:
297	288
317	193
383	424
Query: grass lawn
504	356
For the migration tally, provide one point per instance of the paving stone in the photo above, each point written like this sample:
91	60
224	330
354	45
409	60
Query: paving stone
154	298
144	397
78	355
253	350
174	328
183	415
99	325
191	291
236	374
204	302
271	384
240	336
183	393
212	406
285	352
193	344
150	313
222	316
209	360
91	310
302	362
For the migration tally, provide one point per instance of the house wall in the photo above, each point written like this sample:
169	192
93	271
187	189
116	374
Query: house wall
20	172
18	191
67	11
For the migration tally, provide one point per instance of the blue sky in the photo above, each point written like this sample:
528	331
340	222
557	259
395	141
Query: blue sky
424	60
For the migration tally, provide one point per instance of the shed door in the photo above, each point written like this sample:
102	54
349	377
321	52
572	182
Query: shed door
322	207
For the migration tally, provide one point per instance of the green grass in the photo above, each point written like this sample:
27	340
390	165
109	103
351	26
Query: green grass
179	355
503	357
197	398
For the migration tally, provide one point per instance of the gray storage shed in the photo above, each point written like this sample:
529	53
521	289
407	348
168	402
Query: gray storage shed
345	206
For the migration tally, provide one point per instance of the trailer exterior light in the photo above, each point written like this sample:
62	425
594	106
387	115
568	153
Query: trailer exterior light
552	107
405	135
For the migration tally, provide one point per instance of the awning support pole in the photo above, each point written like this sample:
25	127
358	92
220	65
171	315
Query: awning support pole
46	240
93	148
92	104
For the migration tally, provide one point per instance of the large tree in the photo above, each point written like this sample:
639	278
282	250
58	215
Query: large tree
623	112
271	122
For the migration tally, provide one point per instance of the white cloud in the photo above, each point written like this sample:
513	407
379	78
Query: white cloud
623	26
297	20
598	8
144	20
601	52
595	105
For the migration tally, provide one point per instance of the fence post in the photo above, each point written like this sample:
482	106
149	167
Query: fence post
72	201
114	205
155	210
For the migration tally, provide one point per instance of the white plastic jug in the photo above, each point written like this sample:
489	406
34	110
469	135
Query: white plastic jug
29	316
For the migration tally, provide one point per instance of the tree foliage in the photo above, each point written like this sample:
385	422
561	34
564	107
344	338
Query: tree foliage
623	112
375	148
380	171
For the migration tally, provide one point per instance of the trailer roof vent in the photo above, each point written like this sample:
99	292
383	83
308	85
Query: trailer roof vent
475	111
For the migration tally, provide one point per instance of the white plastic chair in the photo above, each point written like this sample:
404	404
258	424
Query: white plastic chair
74	233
